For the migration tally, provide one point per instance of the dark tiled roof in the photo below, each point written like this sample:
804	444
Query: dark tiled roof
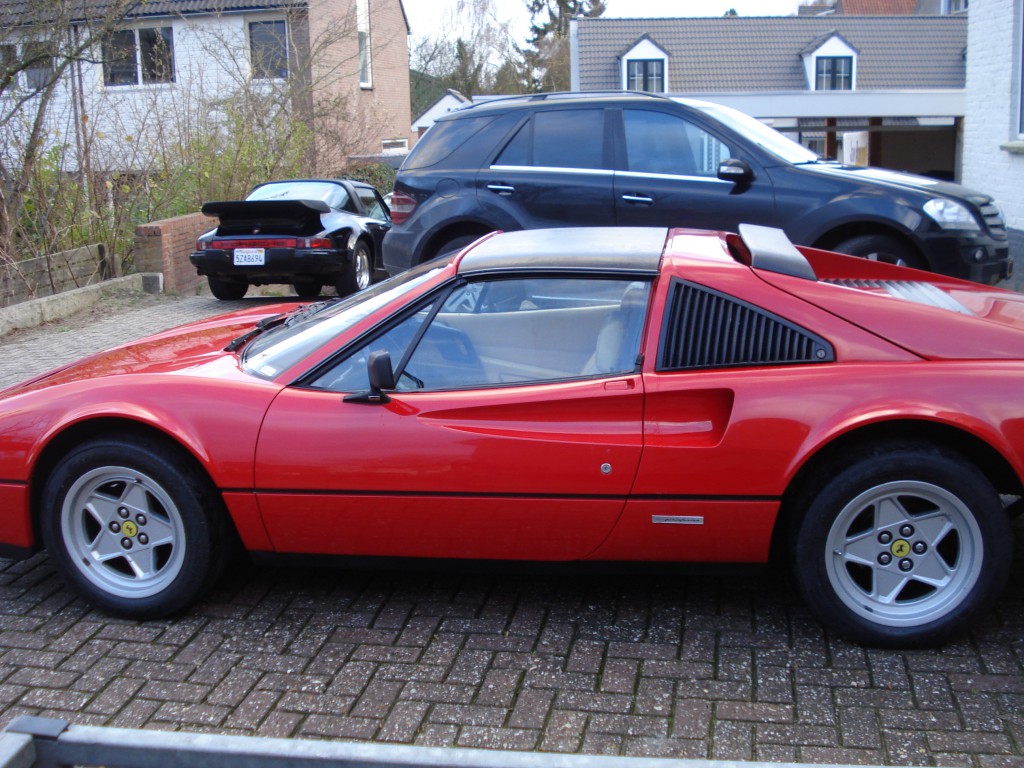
710	55
19	12
189	7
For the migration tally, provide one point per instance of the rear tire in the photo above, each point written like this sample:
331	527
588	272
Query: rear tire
227	289
902	545
360	271
456	244
882	248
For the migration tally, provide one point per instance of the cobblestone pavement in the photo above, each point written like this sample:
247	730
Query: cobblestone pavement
674	664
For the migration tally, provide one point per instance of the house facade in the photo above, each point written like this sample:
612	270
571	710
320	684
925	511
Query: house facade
338	68
879	90
994	122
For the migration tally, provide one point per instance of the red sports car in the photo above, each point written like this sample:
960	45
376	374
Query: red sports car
561	395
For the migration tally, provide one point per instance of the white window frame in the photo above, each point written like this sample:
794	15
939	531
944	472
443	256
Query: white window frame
365	43
140	79
287	48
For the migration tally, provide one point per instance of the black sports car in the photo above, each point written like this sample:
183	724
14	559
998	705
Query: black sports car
307	232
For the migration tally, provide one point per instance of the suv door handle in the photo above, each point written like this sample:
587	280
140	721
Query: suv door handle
501	189
638	199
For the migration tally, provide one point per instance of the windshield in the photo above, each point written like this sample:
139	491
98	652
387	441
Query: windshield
759	133
332	194
304	332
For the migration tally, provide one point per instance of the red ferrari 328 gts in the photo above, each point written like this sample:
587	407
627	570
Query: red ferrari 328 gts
558	395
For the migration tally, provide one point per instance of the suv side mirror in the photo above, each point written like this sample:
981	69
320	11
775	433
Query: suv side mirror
736	171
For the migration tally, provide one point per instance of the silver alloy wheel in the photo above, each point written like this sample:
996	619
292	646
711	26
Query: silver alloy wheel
123	532
362	267
904	553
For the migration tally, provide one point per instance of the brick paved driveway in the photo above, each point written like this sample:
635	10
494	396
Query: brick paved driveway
673	664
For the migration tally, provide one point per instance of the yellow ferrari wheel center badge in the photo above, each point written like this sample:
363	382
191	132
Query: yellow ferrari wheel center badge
129	529
899	548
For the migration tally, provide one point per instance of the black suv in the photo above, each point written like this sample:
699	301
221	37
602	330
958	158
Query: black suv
639	159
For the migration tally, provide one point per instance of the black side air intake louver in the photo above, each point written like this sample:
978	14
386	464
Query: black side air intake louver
707	329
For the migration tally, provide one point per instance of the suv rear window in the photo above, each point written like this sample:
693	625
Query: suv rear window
445	137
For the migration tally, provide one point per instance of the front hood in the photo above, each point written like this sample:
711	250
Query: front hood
898	181
183	348
935	317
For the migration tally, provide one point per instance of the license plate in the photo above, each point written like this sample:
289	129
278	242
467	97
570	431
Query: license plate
249	257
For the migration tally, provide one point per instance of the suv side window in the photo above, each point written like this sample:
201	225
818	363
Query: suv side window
666	144
558	139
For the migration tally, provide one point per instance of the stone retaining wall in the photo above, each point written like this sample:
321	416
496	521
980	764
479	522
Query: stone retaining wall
53	274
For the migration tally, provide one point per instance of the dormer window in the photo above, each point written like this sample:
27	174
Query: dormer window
834	73
645	67
645	75
830	63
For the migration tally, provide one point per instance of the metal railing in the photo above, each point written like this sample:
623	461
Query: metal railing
38	742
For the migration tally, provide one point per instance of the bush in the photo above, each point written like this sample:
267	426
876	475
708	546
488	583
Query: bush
380	175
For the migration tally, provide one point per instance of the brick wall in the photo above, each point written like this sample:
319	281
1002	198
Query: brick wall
990	124
56	273
164	246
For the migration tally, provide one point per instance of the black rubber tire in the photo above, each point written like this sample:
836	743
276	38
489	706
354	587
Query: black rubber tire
979	543
307	289
360	272
456	244
227	289
882	248
178	503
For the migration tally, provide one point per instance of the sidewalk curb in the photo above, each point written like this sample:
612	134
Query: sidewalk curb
29	314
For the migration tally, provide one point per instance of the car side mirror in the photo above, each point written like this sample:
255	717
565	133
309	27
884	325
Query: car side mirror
736	171
381	376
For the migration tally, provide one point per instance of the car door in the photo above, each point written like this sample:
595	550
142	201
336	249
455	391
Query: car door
667	175
513	430
553	172
727	404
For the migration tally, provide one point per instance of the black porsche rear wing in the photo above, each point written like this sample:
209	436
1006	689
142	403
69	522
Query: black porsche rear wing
284	217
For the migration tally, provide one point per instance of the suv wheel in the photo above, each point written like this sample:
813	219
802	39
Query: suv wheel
882	248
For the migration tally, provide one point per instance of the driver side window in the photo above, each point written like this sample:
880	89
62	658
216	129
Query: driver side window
507	332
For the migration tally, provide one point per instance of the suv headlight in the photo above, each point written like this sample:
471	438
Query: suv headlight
950	214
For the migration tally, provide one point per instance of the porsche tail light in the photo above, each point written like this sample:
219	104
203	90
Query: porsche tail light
275	242
316	242
402	207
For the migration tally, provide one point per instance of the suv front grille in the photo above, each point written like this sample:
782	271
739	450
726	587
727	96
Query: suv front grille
994	220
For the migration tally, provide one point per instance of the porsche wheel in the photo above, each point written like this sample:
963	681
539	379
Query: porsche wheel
132	527
904	546
360	271
307	289
227	289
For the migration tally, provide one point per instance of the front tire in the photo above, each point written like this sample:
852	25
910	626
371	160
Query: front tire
360	271
133	527
902	546
882	248
227	289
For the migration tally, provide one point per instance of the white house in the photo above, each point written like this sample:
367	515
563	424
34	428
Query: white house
993	136
173	65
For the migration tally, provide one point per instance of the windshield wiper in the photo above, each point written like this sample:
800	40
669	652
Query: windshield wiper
261	326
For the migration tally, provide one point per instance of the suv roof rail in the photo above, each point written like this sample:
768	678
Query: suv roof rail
558	95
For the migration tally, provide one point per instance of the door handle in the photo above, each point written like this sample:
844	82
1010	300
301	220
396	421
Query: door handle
638	199
501	189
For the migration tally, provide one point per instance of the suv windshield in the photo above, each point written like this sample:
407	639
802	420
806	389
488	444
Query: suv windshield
759	133
305	332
